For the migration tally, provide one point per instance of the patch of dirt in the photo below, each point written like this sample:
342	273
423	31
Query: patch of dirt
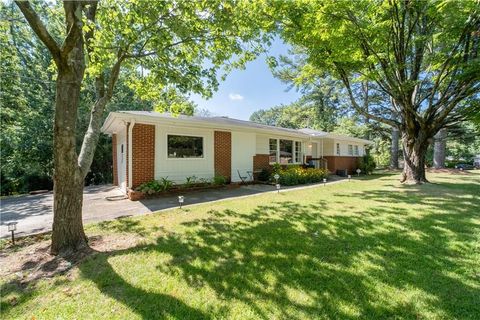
448	170
32	261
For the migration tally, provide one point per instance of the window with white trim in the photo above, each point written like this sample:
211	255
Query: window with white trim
356	151
285	151
184	146
338	149
273	150
298	151
350	150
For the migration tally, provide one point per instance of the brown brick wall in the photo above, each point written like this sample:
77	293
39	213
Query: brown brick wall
261	161
335	163
223	153
143	154
114	158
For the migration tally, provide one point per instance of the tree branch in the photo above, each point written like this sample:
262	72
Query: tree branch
104	95
40	30
358	108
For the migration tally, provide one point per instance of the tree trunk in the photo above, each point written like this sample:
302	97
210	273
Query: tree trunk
394	148
439	149
414	151
67	233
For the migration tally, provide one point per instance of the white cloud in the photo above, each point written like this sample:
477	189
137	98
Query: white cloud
235	96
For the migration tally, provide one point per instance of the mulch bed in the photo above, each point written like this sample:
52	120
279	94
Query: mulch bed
31	260
448	170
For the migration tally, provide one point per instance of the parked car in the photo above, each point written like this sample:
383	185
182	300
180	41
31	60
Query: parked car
464	166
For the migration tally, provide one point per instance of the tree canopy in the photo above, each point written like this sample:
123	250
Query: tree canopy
421	54
160	48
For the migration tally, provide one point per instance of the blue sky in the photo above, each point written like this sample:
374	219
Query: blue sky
248	90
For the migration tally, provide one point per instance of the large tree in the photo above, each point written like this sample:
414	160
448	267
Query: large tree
161	44
422	54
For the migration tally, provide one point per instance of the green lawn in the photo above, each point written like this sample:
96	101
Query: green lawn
354	250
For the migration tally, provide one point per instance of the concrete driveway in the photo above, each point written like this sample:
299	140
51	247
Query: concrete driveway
34	213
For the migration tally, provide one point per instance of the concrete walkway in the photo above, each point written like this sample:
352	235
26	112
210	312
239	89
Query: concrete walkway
34	213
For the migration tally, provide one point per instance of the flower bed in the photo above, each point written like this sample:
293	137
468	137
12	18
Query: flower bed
165	187
295	175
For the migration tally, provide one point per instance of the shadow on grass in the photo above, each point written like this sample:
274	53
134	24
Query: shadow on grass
149	305
288	260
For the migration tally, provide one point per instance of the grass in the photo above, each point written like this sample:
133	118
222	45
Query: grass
369	248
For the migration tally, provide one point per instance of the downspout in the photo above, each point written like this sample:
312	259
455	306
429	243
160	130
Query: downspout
130	140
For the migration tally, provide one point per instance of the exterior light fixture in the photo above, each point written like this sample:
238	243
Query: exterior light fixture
349	177
181	199
12	226
324	182
277	185
358	172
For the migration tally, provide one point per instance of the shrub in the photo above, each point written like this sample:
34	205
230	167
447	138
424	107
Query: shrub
296	175
264	175
190	181
155	186
276	168
203	181
366	164
219	180
149	187
165	184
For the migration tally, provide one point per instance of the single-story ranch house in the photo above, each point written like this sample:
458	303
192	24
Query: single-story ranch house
149	145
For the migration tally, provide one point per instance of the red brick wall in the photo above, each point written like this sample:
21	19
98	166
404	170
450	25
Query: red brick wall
143	154
223	153
127	152
261	161
335	163
114	157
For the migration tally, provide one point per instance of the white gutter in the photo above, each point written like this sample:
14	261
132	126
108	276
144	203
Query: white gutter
130	130
203	124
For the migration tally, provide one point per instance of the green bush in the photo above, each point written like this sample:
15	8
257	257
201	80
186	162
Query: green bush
264	175
149	187
276	168
366	164
295	175
155	186
189	182
219	180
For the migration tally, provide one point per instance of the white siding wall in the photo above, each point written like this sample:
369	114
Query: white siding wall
178	169
263	146
122	159
243	150
310	149
328	147
344	148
